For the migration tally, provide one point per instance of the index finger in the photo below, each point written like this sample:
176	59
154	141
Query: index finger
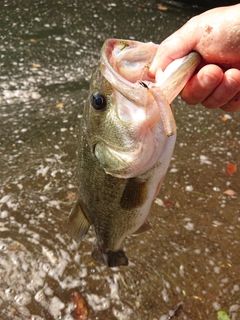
176	46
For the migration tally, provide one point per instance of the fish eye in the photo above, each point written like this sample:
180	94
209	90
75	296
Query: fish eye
98	101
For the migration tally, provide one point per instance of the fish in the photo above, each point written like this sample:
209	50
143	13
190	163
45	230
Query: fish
127	137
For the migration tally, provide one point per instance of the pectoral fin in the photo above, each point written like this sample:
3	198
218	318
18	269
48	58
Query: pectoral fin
134	194
78	224
144	227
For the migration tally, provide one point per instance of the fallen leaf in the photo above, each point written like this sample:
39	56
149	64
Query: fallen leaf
230	192
167	204
231	168
162	7
72	196
226	117
177	205
59	105
14	247
80	312
222	315
158	202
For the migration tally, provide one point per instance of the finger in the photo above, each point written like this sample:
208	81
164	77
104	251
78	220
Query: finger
233	105
174	47
202	84
225	91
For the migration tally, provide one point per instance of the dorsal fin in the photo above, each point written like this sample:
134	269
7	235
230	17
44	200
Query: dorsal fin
78	224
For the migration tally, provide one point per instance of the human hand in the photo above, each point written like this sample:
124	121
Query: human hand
215	34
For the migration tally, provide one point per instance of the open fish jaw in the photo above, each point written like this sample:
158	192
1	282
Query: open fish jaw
140	101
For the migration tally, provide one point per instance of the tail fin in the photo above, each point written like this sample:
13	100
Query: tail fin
110	258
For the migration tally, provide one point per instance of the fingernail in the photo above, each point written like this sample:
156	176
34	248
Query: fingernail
150	74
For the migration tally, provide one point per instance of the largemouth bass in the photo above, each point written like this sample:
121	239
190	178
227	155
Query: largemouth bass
127	138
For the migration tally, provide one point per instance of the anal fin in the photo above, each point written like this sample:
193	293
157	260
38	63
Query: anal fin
78	224
146	226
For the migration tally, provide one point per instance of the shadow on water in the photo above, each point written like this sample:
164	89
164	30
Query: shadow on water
187	266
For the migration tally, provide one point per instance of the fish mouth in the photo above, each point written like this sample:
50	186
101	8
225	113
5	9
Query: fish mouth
125	65
109	257
127	83
141	105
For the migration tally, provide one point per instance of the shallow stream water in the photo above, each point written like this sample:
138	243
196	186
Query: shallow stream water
188	265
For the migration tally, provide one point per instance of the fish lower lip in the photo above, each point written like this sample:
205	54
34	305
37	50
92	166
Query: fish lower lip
109	257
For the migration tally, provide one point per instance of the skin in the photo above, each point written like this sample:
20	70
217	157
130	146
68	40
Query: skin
215	34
